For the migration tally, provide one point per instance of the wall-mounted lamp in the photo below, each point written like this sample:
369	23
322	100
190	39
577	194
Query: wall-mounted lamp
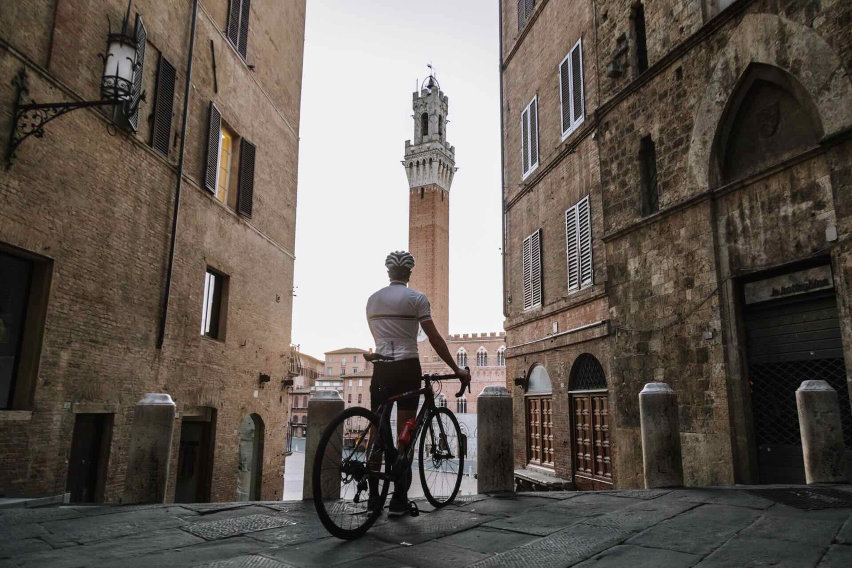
121	87
522	381
263	379
287	383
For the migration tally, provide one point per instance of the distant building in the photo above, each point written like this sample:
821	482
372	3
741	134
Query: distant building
310	370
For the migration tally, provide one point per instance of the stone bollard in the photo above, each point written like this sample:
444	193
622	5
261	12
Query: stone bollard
661	456
322	408
150	449
494	459
822	434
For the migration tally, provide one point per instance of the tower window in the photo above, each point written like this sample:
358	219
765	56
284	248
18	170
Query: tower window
440	126
648	176
424	124
637	25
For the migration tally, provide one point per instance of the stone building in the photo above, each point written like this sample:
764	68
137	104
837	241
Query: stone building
96	311
310	369
430	166
677	208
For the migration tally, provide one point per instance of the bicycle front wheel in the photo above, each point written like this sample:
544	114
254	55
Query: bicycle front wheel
441	456
348	460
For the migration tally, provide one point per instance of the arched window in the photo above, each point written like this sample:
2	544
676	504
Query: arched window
501	356
250	463
441	401
461	405
539	407
590	411
461	357
440	125
424	124
481	357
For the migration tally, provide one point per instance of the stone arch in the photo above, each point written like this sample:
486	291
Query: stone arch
250	464
775	41
539	380
587	373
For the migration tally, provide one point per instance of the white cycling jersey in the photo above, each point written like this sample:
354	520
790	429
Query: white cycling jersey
394	314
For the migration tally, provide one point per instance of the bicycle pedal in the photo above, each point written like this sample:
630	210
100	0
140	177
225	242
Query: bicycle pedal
413	509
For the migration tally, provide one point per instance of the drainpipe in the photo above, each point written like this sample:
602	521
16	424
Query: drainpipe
502	166
165	307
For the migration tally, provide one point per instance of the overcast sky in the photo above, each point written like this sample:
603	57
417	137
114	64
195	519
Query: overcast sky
362	59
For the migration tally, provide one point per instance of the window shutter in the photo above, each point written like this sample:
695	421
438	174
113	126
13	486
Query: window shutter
535	268
233	30
211	162
522	13
161	133
527	275
246	188
584	238
525	139
572	248
577	102
136	89
244	28
565	93
534	133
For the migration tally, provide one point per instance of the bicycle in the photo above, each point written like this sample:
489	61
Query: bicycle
351	451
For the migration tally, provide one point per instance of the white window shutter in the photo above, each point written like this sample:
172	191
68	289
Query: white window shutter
584	237
577	100
535	268
572	248
525	139
527	275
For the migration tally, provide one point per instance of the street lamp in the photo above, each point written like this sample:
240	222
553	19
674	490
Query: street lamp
121	88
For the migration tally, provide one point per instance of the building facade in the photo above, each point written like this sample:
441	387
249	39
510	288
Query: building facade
677	208
310	369
96	309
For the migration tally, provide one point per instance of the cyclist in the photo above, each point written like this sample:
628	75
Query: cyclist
394	314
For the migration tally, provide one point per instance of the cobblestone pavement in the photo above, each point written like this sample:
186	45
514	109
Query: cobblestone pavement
714	527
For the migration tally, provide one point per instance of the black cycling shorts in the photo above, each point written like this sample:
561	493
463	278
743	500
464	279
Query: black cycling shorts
393	378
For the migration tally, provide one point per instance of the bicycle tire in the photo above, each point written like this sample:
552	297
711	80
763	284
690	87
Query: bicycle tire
324	459
443	487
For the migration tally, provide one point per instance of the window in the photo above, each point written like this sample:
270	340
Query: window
238	25
578	243
482	357
715	7
223	177
424	124
501	357
359	398
461	357
211	310
461	405
342	370
637	29
571	89
354	358
161	132
441	402
532	270
360	382
648	176
349	397
329	370
355	370
350	383
525	10
529	137
218	171
343	360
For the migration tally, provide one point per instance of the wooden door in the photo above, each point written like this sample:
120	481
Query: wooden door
540	430
592	451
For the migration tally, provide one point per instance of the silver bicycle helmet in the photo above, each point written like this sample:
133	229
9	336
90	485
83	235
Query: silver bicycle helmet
399	259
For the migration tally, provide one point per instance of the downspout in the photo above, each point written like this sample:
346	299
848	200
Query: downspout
165	306
502	166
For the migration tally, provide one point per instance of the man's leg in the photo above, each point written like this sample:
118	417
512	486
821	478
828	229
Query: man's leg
399	501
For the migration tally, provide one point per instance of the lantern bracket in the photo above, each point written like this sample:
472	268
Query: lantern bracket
30	118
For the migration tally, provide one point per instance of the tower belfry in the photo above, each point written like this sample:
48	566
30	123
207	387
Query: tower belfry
430	166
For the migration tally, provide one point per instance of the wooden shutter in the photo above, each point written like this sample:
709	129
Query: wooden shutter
136	89
211	161
572	248
161	133
535	267
233	30
577	101
527	274
525	139
584	239
246	187
534	133
242	45
522	19
565	92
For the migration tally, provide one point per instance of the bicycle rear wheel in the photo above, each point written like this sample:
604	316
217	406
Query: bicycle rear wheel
441	457
345	462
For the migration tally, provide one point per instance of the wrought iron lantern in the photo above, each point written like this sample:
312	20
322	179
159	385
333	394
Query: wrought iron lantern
523	381
121	88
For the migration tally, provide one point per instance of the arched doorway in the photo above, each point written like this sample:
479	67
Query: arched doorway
539	413
250	465
590	414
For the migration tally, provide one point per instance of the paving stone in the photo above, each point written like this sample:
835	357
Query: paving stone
23	515
330	551
512	506
844	536
837	557
14	548
206	552
646	494
742	552
640	557
415	530
224	528
827	514
816	532
245	511
722	496
303	530
639	517
435	553
560	495
248	561
697	531
21	530
374	562
591	504
103	527
541	522
484	539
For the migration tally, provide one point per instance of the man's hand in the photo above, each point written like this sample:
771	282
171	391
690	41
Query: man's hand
463	374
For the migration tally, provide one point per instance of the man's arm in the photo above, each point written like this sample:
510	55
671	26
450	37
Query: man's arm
442	350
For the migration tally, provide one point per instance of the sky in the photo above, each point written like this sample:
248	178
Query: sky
362	61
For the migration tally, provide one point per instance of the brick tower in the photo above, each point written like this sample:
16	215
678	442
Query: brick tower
430	165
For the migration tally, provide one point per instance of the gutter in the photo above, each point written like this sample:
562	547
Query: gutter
161	332
502	167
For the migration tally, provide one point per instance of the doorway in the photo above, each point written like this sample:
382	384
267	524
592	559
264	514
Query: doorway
590	415
250	465
195	458
87	465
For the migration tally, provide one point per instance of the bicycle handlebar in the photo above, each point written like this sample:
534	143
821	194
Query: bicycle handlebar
464	384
